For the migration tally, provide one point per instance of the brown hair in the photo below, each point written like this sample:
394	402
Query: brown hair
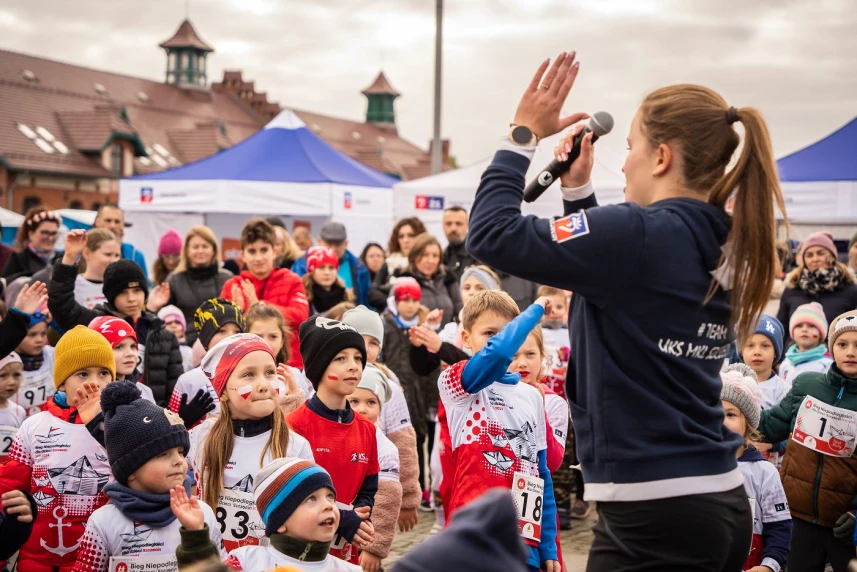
697	122
337	311
257	229
263	311
308	284
33	218
204	233
95	237
550	291
488	301
220	442
416	225
2	310
421	242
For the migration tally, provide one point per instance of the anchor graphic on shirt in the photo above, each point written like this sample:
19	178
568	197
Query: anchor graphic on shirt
60	550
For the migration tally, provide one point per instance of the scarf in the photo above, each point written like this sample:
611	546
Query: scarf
323	300
300	549
41	253
32	363
202	272
798	357
145	508
814	282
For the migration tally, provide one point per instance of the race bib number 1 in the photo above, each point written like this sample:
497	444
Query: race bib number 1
159	563
528	494
825	428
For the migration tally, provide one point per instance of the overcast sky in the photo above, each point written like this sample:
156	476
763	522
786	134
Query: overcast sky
796	60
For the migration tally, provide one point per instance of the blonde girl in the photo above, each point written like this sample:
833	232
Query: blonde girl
102	247
227	451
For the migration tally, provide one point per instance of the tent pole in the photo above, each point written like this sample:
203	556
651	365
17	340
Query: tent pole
438	52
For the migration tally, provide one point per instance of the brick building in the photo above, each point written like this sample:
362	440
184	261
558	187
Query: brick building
69	133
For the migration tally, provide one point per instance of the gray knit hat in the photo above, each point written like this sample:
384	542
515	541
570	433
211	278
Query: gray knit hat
846	322
366	322
741	387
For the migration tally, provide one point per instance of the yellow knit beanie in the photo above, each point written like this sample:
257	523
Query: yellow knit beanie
81	348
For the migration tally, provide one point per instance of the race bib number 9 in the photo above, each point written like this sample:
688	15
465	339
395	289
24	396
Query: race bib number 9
158	563
240	523
825	428
528	494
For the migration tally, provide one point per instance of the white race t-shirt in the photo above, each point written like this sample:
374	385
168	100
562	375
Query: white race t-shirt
558	414
37	386
773	390
11	418
394	414
87	293
388	458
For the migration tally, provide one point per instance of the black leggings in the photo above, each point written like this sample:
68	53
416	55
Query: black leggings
814	545
704	533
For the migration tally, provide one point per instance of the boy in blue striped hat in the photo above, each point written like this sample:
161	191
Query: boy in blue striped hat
297	502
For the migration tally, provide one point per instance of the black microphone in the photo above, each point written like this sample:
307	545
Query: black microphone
599	125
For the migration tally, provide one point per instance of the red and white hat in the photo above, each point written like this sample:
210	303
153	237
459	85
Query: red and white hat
407	288
318	256
113	329
221	360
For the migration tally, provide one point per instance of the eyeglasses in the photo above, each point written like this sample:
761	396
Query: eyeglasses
49	233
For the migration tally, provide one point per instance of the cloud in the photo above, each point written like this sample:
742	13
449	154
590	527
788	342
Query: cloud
792	59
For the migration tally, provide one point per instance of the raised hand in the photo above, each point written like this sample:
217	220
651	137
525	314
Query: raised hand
16	502
434	318
31	298
285	375
187	510
87	401
249	293
545	303
75	241
198	407
425	337
541	104
158	297
581	170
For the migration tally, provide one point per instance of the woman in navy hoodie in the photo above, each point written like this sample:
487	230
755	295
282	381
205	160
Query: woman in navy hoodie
653	309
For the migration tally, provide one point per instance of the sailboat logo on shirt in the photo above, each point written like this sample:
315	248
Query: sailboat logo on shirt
50	437
101	457
245	485
139	534
498	459
523	442
79	478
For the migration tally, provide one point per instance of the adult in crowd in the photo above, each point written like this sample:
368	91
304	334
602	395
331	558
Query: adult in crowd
353	272
373	257
398	248
197	277
34	245
5	252
169	253
303	239
285	250
440	291
653	320
819	277
111	217
852	254
455	255
457	259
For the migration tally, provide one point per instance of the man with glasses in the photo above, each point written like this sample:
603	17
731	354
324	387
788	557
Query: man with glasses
111	217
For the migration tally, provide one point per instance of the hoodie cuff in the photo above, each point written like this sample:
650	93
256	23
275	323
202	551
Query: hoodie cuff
771	563
507	145
577	193
349	524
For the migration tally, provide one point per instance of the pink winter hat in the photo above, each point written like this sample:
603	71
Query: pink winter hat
822	239
171	243
812	314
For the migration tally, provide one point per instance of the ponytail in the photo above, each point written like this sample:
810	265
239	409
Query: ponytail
698	122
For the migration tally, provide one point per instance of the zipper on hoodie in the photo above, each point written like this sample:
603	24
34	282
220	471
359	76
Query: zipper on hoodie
816	489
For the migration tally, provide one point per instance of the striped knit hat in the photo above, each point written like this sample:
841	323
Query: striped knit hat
282	485
812	314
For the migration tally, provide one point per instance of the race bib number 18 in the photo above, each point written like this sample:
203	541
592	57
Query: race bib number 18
528	494
825	428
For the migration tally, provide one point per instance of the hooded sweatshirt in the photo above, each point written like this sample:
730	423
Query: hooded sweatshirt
645	341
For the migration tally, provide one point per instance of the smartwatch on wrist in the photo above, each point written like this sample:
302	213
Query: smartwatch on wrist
522	136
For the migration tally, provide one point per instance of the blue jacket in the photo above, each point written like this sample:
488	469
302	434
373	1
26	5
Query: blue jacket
646	352
131	253
359	275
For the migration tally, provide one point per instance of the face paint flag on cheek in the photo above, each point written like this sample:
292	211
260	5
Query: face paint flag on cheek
244	391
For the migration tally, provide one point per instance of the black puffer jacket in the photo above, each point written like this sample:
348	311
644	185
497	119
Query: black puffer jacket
189	289
24	263
162	358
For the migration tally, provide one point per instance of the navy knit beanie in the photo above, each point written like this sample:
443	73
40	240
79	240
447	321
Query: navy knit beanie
771	328
136	430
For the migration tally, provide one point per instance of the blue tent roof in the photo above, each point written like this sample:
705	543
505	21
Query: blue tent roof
285	151
834	158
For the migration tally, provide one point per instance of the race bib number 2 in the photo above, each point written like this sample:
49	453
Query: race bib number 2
825	428
528	493
7	435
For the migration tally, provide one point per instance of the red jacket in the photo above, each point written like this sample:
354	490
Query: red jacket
283	289
55	459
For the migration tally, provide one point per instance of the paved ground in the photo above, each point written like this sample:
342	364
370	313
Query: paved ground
575	542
